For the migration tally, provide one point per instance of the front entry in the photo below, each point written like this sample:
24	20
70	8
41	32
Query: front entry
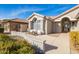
65	24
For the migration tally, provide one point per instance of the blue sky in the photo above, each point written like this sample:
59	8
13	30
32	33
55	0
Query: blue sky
24	10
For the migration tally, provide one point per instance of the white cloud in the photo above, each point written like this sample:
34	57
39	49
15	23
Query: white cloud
61	9
19	11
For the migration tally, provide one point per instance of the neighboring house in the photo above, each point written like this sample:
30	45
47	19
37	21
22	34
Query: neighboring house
65	22
15	25
1	24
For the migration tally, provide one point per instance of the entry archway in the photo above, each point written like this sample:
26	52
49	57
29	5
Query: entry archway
65	24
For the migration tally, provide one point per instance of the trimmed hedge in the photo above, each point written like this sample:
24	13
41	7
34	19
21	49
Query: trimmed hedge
14	46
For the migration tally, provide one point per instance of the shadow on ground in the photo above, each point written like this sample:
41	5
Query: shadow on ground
49	47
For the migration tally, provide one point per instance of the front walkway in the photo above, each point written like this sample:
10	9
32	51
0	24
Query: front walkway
56	43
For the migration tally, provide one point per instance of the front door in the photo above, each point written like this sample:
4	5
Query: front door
65	25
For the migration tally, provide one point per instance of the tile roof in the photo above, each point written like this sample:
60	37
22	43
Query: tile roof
16	20
19	20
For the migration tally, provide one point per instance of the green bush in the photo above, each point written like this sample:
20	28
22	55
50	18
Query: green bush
17	46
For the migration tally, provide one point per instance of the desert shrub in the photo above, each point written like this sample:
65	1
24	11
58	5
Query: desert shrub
25	50
17	46
74	38
4	37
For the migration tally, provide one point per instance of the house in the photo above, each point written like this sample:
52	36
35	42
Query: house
15	25
65	22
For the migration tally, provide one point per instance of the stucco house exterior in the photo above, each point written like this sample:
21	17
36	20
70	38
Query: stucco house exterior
65	22
14	25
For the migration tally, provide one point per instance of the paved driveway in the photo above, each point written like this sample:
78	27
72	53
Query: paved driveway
56	43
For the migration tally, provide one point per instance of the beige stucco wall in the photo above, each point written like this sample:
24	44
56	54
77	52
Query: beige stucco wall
70	15
7	27
48	27
57	27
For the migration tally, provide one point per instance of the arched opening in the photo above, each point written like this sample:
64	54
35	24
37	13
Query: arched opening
65	24
33	23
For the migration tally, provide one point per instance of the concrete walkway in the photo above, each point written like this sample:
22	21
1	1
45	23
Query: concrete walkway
56	43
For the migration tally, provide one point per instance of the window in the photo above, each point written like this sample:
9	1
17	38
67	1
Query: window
74	24
38	21
36	24
34	19
17	25
33	23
